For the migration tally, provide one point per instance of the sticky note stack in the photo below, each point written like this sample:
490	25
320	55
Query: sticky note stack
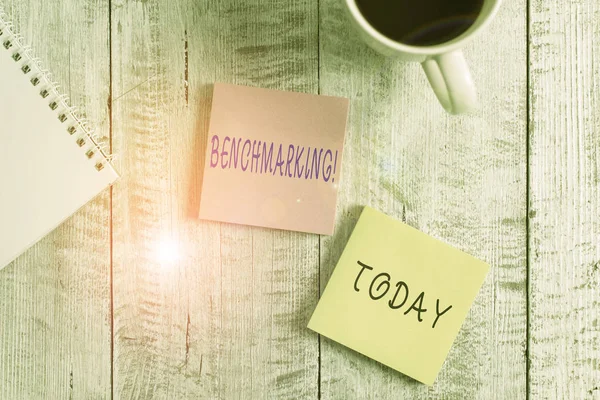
273	159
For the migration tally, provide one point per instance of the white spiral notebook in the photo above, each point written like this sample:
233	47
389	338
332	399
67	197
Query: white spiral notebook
50	164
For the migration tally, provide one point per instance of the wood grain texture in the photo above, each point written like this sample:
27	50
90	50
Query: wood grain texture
55	298
228	319
565	200
460	179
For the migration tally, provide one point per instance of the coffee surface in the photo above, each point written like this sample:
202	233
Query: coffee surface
421	22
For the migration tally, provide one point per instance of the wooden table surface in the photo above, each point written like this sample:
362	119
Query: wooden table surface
89	312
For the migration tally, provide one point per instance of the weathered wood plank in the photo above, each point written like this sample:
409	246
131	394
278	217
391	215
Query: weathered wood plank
565	200
228	319
55	299
460	179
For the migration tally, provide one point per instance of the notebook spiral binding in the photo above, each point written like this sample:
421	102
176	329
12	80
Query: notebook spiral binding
13	43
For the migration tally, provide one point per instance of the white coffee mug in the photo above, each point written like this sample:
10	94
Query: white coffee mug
444	64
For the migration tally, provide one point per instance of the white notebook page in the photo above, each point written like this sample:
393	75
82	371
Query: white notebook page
44	175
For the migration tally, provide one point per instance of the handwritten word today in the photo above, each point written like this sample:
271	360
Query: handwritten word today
260	157
380	286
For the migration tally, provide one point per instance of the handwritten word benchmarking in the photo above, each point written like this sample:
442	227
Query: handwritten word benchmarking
273	158
258	157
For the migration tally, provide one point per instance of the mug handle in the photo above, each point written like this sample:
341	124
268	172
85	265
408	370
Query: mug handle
451	81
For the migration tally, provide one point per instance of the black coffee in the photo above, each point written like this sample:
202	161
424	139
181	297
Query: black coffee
420	22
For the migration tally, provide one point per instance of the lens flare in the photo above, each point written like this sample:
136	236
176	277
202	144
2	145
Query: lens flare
168	251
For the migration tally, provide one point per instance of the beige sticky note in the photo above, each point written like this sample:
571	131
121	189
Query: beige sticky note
398	296
273	158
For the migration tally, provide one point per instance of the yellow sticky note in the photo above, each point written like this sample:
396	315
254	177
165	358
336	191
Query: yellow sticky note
398	296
